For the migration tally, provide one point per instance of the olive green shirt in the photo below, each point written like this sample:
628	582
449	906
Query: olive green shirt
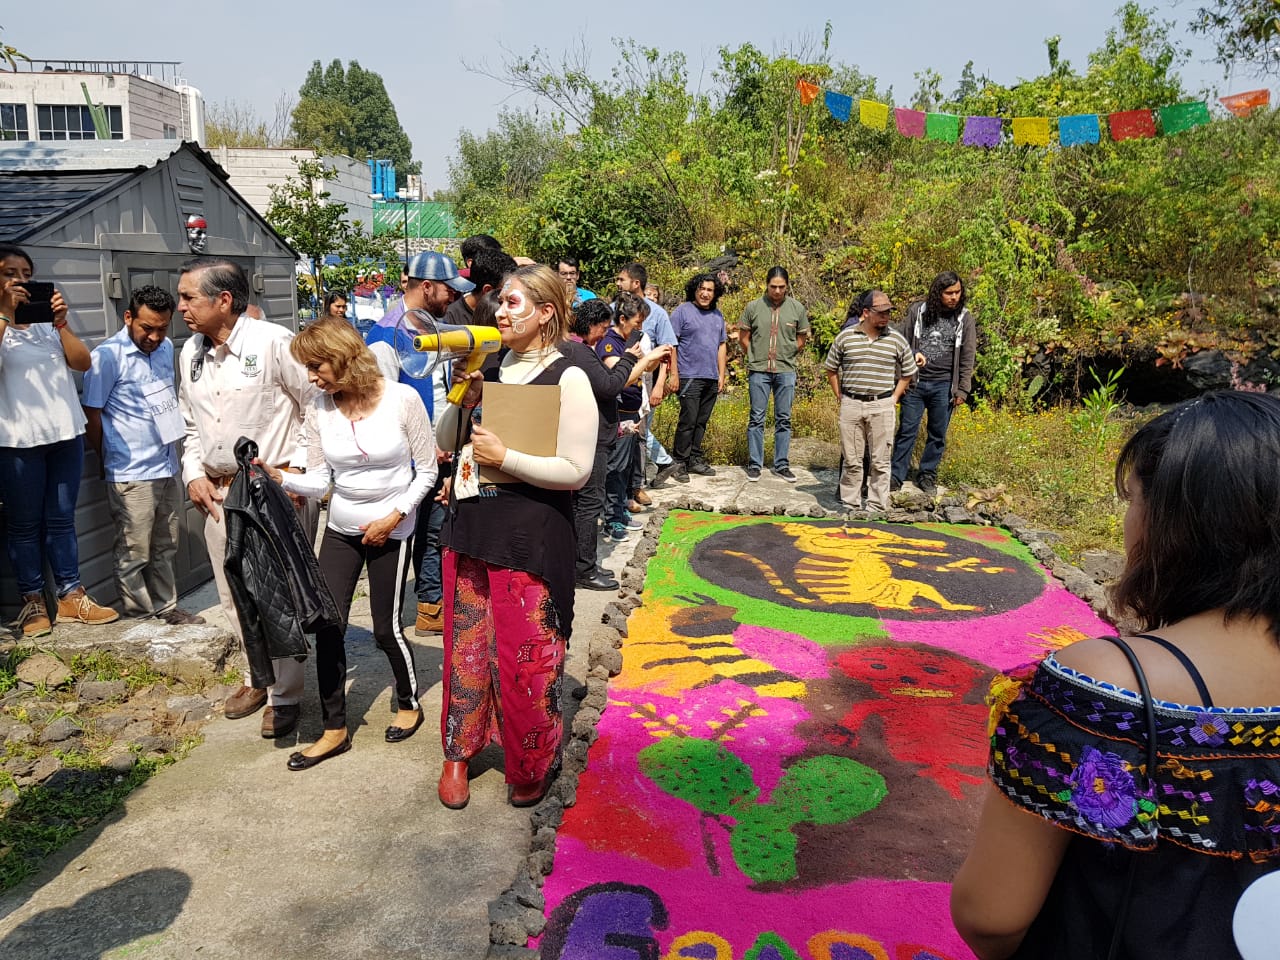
773	334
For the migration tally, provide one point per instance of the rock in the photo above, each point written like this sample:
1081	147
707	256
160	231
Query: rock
507	921
155	744
575	755
8	797
955	514
1048	536
815	511
193	707
64	728
45	768
528	895
1014	524
544	838
136	730
1102	565
110	724
1041	551
548	813
19	766
22	733
101	691
121	761
43	668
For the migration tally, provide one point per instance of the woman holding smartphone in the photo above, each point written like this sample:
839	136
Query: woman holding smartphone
41	447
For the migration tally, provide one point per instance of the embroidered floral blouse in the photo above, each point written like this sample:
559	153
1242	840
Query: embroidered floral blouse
1073	750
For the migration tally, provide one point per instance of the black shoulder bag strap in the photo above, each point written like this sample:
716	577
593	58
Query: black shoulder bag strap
1149	712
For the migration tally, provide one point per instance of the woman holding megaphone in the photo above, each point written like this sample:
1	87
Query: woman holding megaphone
509	554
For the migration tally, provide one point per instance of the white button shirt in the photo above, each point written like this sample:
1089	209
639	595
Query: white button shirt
250	386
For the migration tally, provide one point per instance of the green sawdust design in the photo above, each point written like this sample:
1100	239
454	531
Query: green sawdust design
821	790
774	944
671	575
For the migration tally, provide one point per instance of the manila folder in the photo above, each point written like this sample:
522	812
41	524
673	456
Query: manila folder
526	417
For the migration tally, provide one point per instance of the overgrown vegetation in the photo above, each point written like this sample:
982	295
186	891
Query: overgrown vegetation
1143	251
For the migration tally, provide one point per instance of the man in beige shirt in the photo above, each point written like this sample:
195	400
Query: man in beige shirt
237	378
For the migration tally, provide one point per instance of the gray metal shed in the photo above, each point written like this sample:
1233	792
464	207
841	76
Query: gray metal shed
100	218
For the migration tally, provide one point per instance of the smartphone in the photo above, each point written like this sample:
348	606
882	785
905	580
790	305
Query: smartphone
39	308
634	337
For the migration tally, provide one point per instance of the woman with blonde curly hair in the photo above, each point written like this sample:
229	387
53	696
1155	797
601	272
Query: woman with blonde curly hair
370	439
510	556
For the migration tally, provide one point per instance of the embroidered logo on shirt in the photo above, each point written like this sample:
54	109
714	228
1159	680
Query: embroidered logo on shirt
250	366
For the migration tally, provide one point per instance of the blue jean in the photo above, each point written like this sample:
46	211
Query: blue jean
426	546
658	455
783	388
933	397
40	486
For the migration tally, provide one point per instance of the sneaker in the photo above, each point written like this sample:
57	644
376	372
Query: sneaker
177	617
430	619
615	532
634	524
702	469
785	473
78	605
670	472
753	472
683	475
928	483
34	618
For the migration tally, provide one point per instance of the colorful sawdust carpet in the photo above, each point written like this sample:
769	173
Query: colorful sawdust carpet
792	760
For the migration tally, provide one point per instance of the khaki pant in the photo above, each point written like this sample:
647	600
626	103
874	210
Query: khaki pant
145	513
289	672
866	425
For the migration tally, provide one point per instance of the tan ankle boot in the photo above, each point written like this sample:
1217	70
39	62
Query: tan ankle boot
430	619
34	618
78	605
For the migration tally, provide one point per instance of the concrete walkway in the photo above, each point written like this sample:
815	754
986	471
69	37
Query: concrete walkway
228	854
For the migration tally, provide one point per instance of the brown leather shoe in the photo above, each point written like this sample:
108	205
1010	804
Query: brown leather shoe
454	790
643	499
243	702
177	617
430	619
280	720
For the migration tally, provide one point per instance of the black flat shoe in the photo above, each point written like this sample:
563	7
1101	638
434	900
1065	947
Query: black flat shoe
597	581
300	761
396	734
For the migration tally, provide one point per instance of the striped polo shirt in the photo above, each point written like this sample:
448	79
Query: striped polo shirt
869	366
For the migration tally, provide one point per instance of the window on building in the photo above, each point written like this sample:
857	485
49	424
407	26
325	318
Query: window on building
170	132
13	122
74	122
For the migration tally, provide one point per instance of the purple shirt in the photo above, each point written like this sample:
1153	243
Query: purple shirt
699	334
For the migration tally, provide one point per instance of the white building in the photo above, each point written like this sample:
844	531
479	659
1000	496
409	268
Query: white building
46	100
253	171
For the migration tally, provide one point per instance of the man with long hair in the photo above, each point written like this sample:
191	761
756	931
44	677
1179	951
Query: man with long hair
942	335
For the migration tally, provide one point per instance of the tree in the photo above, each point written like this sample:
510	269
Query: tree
236	124
11	55
347	111
1244	31
302	212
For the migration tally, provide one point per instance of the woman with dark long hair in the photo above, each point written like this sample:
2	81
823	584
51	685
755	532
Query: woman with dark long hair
1086	843
700	357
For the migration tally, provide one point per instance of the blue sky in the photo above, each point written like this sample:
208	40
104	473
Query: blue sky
252	52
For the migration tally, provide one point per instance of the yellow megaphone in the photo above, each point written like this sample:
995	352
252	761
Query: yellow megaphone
470	344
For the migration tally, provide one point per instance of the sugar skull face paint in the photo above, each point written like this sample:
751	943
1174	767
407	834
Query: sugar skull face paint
515	307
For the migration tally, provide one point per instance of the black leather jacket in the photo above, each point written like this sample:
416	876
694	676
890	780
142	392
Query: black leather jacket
279	592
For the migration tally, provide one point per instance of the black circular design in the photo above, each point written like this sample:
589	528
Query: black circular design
872	570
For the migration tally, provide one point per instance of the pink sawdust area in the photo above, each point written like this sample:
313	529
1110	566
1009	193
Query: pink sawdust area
791	763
